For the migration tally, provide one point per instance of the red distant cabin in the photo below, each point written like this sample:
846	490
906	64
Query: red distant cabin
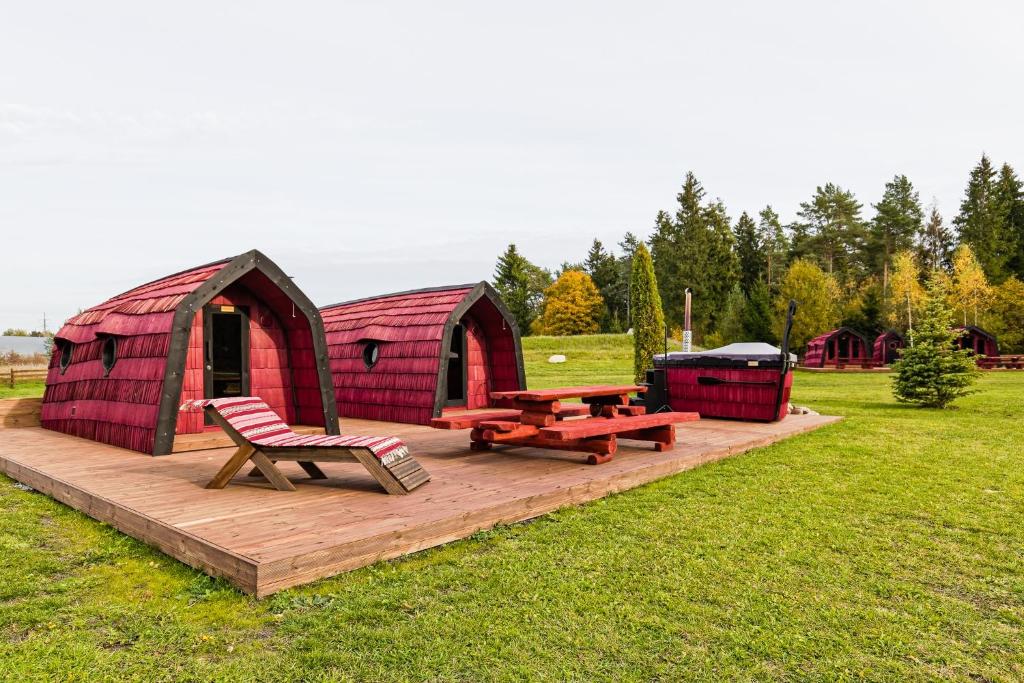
978	340
887	347
844	346
121	370
407	357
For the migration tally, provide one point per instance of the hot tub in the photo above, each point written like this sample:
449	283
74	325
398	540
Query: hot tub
747	381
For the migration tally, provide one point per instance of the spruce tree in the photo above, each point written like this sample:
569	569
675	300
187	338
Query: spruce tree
1010	208
750	253
665	251
774	246
648	319
931	371
898	219
721	269
731	328
934	243
980	221
521	285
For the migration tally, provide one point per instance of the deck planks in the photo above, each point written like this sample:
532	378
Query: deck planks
263	540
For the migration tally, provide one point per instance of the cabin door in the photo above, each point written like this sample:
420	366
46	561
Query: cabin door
225	351
456	373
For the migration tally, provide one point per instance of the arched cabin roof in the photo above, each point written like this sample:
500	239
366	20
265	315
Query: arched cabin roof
167	306
822	338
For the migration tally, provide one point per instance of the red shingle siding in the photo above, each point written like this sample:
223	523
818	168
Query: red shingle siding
409	330
122	408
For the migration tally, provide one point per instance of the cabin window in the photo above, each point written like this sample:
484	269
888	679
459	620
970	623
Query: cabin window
66	350
109	355
371	352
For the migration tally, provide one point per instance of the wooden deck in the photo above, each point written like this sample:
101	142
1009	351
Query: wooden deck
264	540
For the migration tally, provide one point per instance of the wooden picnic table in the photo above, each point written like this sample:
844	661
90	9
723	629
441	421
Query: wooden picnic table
538	420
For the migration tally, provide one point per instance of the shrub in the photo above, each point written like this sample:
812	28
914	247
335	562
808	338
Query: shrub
932	372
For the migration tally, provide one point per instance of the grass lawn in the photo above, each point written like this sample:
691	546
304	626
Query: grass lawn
884	547
22	390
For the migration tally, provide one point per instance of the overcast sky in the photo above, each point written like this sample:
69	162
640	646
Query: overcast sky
380	146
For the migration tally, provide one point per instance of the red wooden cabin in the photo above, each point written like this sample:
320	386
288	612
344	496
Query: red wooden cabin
407	357
844	346
978	340
887	347
237	327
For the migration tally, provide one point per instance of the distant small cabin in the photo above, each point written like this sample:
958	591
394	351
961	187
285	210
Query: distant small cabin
887	347
409	356
843	346
238	327
978	340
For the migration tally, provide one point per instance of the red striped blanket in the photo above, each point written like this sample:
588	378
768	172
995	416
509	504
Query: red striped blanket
260	425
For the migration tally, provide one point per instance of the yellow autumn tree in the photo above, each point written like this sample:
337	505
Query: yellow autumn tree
572	305
817	296
906	290
971	292
1005	316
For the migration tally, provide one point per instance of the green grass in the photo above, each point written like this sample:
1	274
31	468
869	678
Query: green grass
885	547
22	390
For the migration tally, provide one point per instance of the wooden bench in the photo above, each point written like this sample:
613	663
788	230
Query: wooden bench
264	438
538	421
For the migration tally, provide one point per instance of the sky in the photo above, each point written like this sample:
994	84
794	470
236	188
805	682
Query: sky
371	147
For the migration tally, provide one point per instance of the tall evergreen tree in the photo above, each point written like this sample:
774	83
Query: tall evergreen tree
980	222
649	321
832	230
934	243
721	267
1010	208
898	219
752	257
603	269
666	247
521	285
774	246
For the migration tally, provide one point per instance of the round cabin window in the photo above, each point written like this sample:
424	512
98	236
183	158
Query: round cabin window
109	355
66	350
371	352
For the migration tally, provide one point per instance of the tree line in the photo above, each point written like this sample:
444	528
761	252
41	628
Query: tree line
845	267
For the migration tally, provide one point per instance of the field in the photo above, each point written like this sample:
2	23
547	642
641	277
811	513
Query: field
886	547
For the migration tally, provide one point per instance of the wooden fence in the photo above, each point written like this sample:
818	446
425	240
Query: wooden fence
33	375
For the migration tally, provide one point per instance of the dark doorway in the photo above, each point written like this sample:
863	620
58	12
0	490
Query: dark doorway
226	351
456	375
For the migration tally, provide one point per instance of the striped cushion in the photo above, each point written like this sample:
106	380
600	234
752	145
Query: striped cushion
260	425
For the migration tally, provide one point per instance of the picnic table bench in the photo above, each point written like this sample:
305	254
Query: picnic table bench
537	420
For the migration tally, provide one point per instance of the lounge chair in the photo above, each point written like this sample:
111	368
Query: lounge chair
263	437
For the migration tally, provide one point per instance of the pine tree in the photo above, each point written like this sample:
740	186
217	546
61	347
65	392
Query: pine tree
648	318
897	221
774	246
934	242
817	295
750	253
971	290
980	221
521	285
832	230
1009	200
571	306
931	372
